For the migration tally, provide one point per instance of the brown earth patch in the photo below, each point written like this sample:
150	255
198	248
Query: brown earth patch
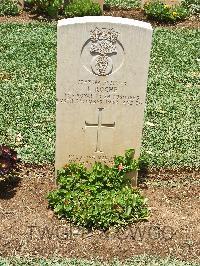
29	228
138	14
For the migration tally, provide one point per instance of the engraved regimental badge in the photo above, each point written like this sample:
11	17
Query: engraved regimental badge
102	48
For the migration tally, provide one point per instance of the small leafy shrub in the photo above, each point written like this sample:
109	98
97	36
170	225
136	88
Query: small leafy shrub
164	13
48	7
192	5
100	197
8	162
80	8
8	7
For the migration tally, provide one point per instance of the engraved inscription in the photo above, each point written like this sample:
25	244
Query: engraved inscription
97	98
100	92
99	126
105	86
102	47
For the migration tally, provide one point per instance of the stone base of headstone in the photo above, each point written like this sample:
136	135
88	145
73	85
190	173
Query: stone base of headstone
166	2
133	177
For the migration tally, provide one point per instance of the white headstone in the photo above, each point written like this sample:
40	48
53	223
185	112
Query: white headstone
101	87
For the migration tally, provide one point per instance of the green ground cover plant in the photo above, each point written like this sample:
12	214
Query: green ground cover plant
100	197
8	7
123	3
193	6
27	89
81	8
27	86
49	7
165	13
143	260
69	8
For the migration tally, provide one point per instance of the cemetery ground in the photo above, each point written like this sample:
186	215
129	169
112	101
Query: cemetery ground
170	145
29	228
132	13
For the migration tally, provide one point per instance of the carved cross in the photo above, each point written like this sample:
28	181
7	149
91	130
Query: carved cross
99	125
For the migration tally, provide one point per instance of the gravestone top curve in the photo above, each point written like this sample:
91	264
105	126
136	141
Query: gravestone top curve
104	19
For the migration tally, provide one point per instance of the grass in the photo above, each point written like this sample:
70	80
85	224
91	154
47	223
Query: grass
27	103
27	88
172	137
135	261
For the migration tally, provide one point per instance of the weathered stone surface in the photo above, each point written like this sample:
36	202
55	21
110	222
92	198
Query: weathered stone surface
101	88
